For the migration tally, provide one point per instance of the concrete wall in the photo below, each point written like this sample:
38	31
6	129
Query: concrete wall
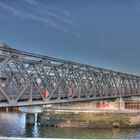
100	119
106	105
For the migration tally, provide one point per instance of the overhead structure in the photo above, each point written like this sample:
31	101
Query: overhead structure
33	79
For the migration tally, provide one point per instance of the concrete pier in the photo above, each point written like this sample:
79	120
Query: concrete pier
31	114
30	118
31	109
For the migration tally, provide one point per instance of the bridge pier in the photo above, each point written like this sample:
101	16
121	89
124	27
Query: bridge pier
31	114
30	118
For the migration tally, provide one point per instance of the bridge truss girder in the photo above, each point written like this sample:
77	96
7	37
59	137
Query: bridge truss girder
24	77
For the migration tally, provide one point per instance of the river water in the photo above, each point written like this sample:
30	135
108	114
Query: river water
13	125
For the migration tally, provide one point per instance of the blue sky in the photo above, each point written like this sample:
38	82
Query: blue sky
103	33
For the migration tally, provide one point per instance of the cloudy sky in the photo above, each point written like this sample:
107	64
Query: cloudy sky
103	33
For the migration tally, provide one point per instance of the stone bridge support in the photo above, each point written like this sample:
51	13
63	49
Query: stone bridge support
31	113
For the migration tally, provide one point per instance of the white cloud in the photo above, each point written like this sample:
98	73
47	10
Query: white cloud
7	8
46	20
44	10
56	18
31	2
61	18
41	19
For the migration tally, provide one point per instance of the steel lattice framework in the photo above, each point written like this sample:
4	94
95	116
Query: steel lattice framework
25	78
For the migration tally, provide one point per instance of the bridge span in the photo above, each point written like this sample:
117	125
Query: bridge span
28	79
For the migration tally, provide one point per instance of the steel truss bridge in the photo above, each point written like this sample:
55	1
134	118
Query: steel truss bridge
32	79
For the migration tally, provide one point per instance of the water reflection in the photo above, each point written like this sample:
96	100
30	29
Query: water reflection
35	128
9	122
13	124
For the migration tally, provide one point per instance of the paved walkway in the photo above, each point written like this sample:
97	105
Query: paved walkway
95	111
14	138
